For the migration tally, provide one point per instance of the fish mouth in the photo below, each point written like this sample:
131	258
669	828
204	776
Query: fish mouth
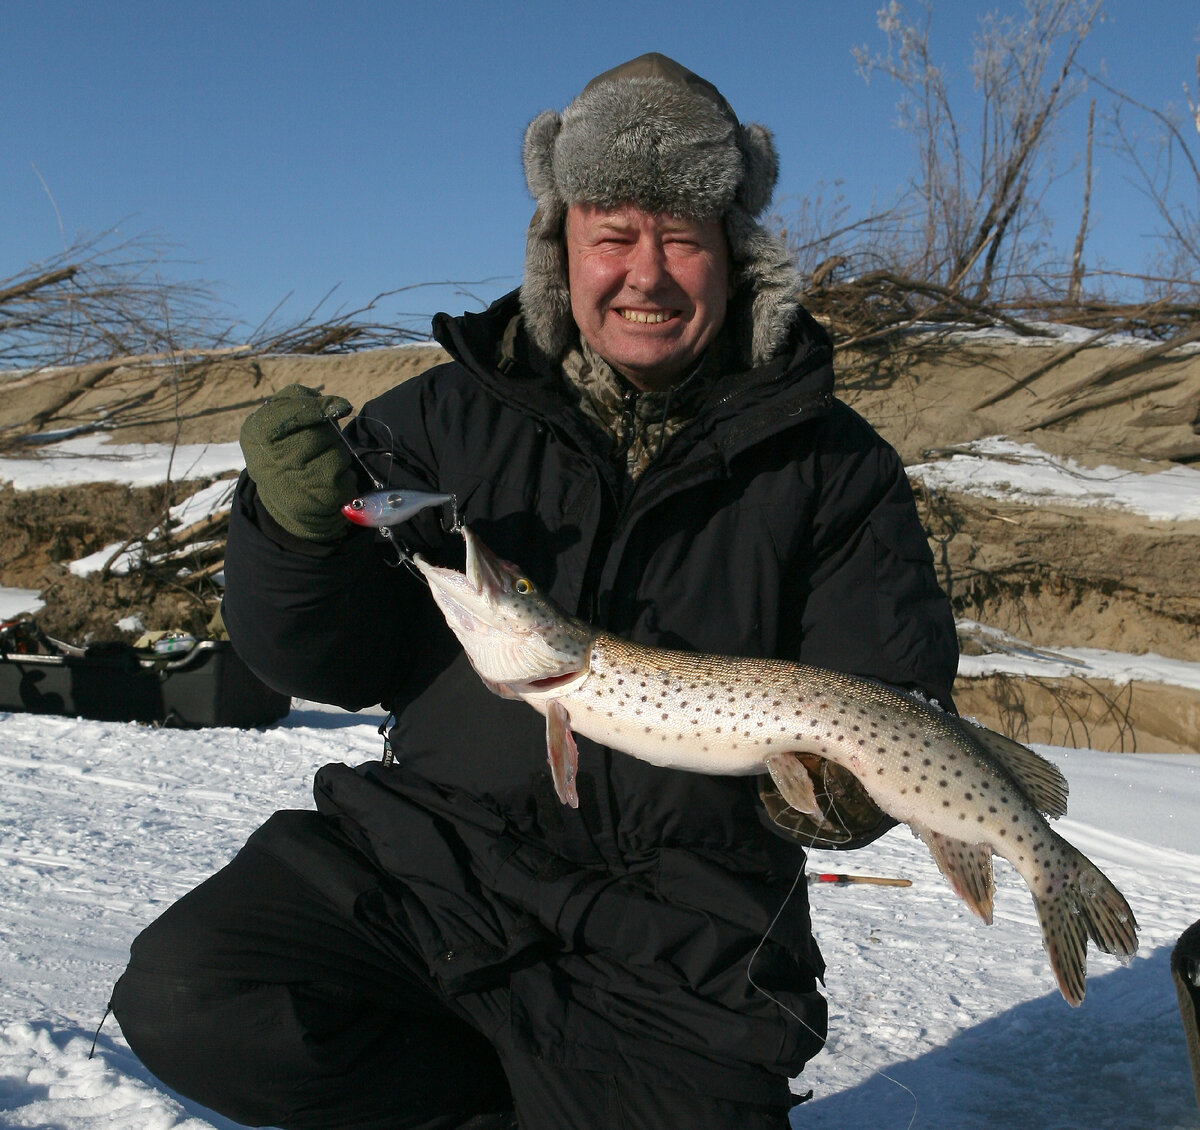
472	592
485	572
511	642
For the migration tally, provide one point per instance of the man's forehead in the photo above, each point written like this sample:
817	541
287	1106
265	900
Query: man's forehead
627	216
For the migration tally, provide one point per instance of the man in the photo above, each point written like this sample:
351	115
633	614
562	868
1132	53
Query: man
648	428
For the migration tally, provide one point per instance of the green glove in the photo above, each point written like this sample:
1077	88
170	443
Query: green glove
302	469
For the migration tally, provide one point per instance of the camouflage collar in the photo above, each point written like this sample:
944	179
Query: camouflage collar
638	424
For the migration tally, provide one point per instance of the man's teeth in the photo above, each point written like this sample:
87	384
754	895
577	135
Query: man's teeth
647	316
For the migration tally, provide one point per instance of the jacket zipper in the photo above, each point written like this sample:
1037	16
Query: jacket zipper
628	421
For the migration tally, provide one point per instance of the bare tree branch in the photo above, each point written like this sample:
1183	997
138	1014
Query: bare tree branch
1075	288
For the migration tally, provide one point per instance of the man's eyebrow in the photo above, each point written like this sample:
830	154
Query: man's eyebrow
611	224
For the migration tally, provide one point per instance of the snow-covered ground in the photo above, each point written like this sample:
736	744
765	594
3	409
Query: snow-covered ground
937	1021
1019	472
91	459
102	826
1008	655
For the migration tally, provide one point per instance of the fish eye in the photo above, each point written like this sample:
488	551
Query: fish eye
523	587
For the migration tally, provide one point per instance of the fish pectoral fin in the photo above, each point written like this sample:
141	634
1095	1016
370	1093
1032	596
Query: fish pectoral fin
794	783
967	867
562	753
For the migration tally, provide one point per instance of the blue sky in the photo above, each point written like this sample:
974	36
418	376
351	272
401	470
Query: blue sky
288	148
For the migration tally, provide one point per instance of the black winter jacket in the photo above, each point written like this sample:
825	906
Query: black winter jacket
777	524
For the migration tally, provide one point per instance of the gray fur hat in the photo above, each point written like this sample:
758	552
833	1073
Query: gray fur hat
653	134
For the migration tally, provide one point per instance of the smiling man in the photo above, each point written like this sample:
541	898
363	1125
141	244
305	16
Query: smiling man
648	293
648	427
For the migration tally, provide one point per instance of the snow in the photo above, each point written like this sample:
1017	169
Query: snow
1009	655
91	459
105	824
937	1021
102	827
195	508
15	601
1019	472
1048	335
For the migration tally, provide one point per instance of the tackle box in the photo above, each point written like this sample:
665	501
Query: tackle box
204	685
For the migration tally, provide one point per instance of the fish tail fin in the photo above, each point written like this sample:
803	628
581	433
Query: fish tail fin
1065	938
1086	905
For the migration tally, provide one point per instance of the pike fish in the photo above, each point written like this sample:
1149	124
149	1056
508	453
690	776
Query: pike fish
966	791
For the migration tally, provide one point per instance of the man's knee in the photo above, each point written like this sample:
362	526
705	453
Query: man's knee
173	1024
162	996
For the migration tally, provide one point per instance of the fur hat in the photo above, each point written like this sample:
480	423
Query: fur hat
653	134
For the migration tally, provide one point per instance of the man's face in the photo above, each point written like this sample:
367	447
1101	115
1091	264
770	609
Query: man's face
648	292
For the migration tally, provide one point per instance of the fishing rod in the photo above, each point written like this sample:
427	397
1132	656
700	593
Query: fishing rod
874	880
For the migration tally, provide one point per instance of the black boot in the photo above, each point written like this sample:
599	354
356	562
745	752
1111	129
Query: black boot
1185	968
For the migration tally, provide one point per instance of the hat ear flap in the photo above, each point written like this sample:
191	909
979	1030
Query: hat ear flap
538	154
762	167
545	297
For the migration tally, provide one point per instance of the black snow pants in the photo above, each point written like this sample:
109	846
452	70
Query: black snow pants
259	997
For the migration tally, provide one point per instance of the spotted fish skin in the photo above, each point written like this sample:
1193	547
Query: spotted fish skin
967	791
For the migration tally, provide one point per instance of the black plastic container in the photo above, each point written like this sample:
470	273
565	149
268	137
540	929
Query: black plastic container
206	686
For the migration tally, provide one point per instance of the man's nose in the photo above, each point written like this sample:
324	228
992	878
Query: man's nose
647	265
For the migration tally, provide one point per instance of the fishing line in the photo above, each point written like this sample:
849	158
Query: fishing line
403	557
403	553
829	814
800	1019
354	454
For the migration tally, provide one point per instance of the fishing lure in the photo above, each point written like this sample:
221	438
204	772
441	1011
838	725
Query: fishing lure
391	507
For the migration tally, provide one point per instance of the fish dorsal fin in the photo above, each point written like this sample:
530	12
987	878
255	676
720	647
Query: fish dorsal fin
1038	778
967	867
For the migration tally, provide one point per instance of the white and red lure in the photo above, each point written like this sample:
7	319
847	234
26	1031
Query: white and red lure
384	508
